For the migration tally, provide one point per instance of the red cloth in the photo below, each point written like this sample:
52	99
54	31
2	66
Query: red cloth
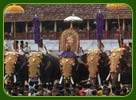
81	92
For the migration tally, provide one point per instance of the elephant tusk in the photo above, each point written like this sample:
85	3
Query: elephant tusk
5	77
61	80
89	77
29	80
99	79
15	79
108	77
39	82
71	79
119	77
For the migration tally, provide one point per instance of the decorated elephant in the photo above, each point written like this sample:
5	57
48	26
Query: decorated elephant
9	62
15	68
116	65
93	57
34	60
93	66
43	68
66	69
67	62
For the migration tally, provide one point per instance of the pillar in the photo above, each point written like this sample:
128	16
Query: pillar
40	26
26	27
106	25
88	25
124	25
55	26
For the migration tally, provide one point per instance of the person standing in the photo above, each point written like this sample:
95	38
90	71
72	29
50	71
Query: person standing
27	48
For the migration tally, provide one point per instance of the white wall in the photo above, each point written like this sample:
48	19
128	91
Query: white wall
85	44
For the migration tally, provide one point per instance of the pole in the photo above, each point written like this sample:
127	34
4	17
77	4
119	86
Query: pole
26	29
15	46
120	41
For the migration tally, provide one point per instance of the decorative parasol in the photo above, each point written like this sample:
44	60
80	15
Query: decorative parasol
99	28
72	19
13	9
115	8
99	25
36	28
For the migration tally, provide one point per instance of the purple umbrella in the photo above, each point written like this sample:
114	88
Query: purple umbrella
99	25
68	54
36	29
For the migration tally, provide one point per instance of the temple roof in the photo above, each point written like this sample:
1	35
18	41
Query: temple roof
48	12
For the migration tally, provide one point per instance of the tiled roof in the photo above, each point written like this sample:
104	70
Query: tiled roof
61	11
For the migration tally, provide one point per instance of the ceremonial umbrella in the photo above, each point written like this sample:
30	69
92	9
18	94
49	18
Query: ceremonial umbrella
72	19
13	9
99	28
36	28
115	8
99	25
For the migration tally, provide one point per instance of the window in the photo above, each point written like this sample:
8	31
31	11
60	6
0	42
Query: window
7	27
20	27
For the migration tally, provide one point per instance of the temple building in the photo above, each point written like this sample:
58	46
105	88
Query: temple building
52	23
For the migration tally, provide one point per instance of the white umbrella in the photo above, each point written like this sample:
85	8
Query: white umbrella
72	19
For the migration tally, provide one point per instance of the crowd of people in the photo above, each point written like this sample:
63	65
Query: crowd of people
56	89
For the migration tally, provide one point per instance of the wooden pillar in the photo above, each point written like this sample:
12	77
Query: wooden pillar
88	28
106	25
55	26
106	28
88	25
26	27
40	26
124	25
14	32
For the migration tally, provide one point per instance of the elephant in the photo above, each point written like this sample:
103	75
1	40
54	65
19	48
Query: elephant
66	69
49	69
93	64
32	68
9	66
85	67
34	60
43	68
119	62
